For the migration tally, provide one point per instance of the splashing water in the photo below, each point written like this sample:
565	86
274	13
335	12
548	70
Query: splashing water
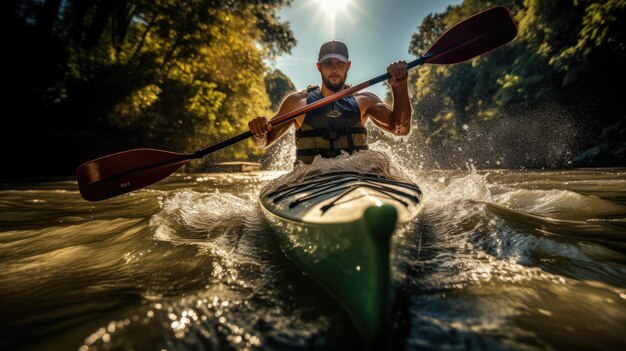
496	259
369	162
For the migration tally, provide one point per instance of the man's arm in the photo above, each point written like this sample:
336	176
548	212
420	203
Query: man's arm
396	120
263	134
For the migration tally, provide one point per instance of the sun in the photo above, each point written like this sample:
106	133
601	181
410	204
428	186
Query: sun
331	7
327	14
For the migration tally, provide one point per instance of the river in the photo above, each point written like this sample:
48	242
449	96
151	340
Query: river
497	259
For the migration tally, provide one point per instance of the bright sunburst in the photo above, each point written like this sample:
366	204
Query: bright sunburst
331	7
328	11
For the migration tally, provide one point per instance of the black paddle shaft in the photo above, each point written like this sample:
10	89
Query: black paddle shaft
222	144
409	65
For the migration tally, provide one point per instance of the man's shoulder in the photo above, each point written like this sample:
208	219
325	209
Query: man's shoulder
295	96
295	99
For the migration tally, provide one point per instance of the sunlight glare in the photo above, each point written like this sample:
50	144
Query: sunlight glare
331	7
328	11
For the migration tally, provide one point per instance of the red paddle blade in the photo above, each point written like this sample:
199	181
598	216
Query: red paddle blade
120	173
477	35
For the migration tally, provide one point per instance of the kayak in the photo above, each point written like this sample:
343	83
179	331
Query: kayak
337	228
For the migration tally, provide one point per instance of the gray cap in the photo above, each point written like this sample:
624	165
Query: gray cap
333	49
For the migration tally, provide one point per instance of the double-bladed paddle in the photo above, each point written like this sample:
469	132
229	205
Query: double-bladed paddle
123	172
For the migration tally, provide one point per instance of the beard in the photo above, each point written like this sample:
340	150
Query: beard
334	86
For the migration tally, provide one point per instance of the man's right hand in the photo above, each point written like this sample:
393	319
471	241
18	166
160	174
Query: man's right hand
259	127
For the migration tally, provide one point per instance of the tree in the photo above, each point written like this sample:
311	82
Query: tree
130	73
278	86
566	54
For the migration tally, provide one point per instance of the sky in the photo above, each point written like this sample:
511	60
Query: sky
377	33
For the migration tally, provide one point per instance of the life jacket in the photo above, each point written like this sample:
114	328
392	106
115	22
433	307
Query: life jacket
330	129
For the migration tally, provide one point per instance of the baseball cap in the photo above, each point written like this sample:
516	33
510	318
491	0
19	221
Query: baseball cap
333	49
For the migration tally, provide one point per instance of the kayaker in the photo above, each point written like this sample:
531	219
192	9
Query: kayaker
338	126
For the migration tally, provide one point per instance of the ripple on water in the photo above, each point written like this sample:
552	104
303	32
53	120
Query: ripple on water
496	260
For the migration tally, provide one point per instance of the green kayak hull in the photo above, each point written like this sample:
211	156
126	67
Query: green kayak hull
350	261
347	252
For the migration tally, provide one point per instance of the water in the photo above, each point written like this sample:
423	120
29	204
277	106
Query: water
505	260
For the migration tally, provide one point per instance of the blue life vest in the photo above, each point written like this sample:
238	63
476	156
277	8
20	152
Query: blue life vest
330	129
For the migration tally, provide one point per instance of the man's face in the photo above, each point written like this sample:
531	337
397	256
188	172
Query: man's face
334	73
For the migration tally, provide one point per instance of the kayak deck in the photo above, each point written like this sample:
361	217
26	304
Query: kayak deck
341	197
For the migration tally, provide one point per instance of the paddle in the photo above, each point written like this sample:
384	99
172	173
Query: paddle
130	170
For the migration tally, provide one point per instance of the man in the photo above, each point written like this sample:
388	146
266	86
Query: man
339	126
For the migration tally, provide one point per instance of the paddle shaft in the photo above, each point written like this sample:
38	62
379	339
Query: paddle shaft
130	170
430	56
304	109
98	186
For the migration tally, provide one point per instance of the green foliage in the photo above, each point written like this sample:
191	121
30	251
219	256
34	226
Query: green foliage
278	86
600	37
563	48
169	74
432	27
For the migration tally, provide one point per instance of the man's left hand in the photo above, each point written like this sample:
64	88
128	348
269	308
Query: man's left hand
398	72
